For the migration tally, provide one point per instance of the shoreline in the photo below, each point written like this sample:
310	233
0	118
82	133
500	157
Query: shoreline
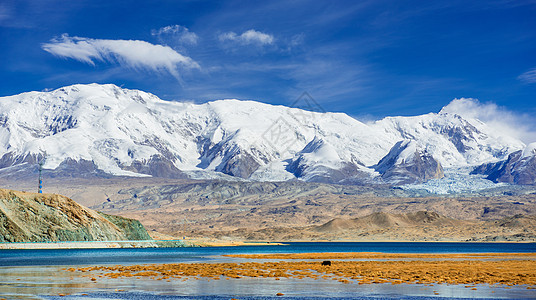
406	241
198	242
130	244
383	256
201	242
94	245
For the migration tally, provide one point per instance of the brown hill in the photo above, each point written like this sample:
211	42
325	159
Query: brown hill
30	217
417	226
382	220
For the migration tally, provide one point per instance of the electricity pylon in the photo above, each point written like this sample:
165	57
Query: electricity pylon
40	191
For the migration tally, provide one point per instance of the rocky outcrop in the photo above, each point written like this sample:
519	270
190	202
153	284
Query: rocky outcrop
30	217
406	163
157	166
518	168
235	159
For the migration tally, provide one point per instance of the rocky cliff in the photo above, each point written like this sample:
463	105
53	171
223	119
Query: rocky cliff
30	217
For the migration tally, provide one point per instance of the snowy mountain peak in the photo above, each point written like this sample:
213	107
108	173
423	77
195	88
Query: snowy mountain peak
401	153
407	163
518	168
320	150
530	150
118	131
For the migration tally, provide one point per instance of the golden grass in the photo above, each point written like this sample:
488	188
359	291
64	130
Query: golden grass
521	270
379	255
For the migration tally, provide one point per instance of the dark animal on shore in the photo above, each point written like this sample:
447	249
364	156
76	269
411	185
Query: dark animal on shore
326	263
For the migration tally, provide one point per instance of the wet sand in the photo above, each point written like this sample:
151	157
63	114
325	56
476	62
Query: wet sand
503	269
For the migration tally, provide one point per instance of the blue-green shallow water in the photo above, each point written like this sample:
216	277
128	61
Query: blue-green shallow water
31	274
175	255
146	296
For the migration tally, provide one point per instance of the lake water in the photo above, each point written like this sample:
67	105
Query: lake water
41	274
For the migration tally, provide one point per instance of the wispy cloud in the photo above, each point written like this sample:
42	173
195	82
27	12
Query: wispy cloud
499	118
28	14
134	54
529	76
4	12
250	37
176	34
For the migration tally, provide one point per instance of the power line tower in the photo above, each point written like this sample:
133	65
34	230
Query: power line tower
40	191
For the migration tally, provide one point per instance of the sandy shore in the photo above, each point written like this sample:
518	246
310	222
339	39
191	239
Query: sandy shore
208	242
96	244
133	244
503	269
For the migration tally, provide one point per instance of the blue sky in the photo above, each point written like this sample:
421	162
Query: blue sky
369	59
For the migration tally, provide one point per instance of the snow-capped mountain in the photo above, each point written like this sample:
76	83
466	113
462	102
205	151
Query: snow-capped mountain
406	163
518	168
319	161
105	129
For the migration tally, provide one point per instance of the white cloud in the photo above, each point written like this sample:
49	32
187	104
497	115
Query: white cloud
499	118
529	76
250	37
176	34
134	54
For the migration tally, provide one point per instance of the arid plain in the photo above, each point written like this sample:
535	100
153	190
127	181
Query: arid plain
271	211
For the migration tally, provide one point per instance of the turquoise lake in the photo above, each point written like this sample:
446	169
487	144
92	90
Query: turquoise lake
41	274
175	255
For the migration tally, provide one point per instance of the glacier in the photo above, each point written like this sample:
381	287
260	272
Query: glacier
456	181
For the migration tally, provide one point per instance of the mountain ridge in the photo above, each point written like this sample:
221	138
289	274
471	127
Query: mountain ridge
518	168
120	132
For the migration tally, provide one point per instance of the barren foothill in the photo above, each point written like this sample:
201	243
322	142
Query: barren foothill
231	212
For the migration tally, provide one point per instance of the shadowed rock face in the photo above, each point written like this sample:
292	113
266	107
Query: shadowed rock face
405	163
72	168
517	169
157	166
29	217
347	173
10	159
25	167
68	169
236	160
319	162
240	165
461	136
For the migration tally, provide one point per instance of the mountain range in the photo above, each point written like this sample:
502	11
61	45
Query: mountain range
105	130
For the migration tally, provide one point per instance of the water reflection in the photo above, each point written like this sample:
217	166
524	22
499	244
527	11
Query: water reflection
49	282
